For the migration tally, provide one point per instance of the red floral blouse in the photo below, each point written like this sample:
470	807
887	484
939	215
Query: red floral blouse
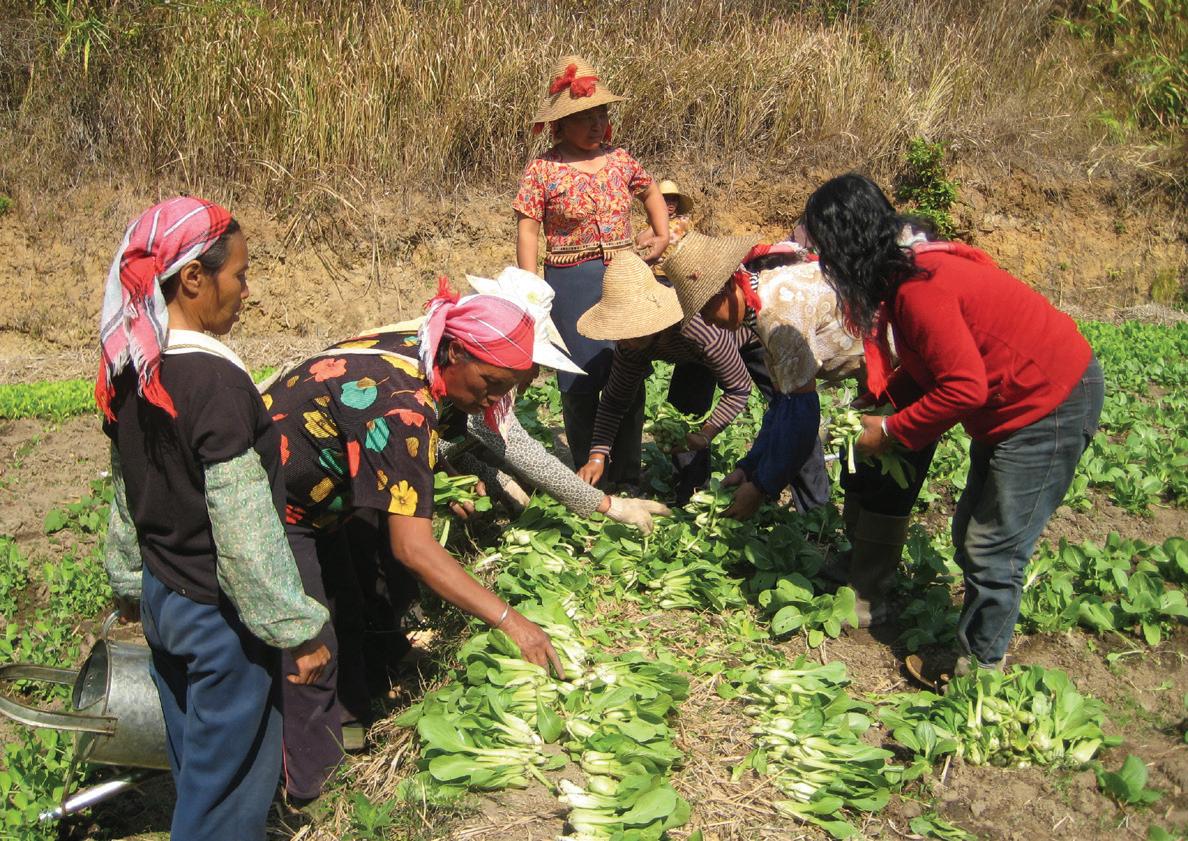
583	214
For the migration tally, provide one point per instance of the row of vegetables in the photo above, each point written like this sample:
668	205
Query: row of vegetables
499	722
604	739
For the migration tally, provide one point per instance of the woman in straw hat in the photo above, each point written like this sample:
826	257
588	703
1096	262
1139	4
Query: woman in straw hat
779	293
680	222
581	191
195	547
644	317
360	425
977	347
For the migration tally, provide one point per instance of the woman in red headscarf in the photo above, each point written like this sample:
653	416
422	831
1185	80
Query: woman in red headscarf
195	545
359	426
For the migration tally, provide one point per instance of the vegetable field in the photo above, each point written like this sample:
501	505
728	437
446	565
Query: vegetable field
714	688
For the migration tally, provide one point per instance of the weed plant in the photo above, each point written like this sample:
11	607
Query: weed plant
313	101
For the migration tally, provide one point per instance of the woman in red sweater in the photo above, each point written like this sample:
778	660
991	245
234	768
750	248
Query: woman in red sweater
977	347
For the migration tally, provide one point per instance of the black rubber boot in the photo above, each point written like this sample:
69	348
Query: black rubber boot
836	568
878	544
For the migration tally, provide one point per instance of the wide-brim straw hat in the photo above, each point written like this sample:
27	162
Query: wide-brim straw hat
671	188
701	265
573	86
633	302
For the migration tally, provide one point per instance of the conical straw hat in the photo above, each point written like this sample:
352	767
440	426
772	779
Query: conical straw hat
633	302
570	98
701	266
671	188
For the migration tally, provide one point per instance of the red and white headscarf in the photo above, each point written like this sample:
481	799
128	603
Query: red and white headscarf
744	278
134	322
491	329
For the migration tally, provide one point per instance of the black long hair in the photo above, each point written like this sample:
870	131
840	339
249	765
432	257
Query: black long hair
856	233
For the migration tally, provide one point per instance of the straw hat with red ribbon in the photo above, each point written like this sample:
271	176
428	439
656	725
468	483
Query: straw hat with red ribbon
573	86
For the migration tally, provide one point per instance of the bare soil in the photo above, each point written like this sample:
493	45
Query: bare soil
322	272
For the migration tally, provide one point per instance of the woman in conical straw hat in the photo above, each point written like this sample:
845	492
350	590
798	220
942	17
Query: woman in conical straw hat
643	317
776	290
580	191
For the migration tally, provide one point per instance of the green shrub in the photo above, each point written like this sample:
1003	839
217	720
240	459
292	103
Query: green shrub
1145	44
925	185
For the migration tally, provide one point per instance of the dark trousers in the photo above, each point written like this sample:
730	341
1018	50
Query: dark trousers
352	572
219	694
579	409
692	392
878	493
1012	490
314	712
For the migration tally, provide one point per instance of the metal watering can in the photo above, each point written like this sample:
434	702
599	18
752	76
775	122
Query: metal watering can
115	714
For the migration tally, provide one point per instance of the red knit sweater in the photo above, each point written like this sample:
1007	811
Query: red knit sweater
978	347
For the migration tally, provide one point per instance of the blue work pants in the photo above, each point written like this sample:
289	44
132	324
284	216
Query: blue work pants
219	691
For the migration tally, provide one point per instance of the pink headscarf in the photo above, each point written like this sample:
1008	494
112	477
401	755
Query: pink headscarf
492	329
134	322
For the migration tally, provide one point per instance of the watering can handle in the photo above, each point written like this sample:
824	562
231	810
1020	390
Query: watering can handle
108	623
34	717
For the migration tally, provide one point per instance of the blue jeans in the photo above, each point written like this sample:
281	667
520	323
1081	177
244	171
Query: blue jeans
1013	488
220	695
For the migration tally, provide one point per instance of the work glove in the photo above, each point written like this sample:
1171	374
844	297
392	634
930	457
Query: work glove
516	498
636	512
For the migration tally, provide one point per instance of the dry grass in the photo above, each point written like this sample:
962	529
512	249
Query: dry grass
331	100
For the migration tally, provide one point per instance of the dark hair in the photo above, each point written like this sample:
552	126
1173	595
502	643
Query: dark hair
856	233
211	260
442	359
773	261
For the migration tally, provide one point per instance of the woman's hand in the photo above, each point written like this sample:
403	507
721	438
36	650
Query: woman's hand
656	251
533	643
735	477
413	544
695	441
311	658
873	441
591	471
635	512
747	500
465	510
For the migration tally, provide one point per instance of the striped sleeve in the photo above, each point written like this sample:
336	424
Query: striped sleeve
719	351
628	372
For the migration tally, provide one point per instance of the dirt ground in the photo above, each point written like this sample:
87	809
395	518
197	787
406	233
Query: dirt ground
322	271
